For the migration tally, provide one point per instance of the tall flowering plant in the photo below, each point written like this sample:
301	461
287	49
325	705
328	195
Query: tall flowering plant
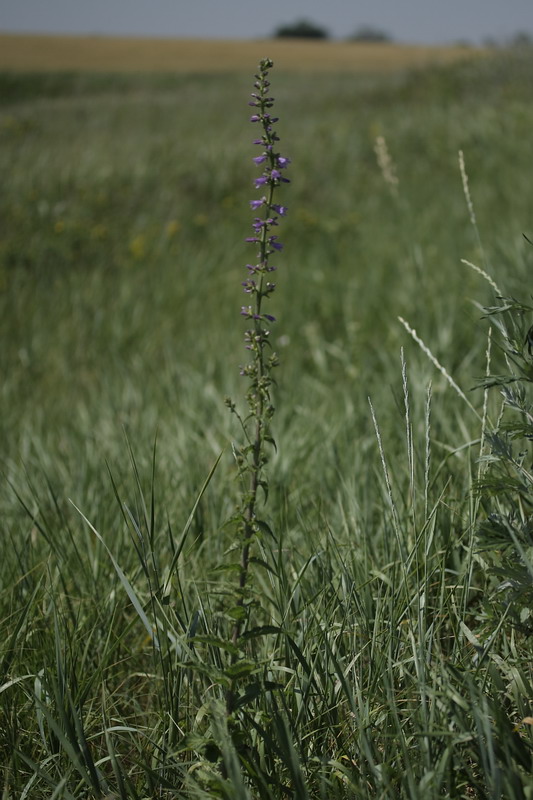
252	456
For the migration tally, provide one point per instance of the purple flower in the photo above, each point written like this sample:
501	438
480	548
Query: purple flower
272	240
249	313
255	204
267	215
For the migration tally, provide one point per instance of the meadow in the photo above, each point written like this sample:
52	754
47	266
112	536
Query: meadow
386	650
31	52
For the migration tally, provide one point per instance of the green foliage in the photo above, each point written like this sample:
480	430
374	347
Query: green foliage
368	33
507	486
302	29
376	658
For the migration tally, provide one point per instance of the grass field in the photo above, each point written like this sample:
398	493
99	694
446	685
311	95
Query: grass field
105	54
387	648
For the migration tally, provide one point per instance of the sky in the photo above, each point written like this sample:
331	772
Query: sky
416	21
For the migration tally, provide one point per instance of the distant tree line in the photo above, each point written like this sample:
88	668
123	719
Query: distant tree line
520	39
305	29
302	29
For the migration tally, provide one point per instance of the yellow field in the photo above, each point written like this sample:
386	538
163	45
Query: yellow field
23	52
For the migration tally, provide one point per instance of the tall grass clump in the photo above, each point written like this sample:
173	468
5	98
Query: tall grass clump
506	533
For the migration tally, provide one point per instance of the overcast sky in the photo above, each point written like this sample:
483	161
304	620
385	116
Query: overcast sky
427	21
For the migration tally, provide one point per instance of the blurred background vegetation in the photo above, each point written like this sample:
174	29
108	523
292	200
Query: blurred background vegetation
125	208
